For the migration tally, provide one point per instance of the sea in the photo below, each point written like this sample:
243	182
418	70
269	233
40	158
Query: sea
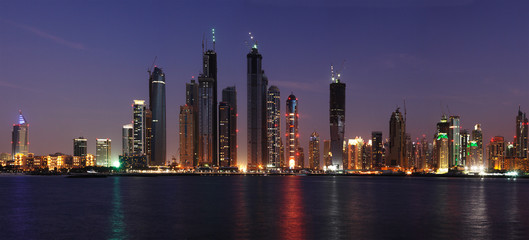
263	207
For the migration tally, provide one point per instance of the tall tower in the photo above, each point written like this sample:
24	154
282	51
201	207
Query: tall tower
157	108
209	71
520	141
397	140
187	136
79	147
327	160
224	135
256	90
206	136
139	121
476	145
103	152
454	141
314	151
497	153
337	120
377	149
273	127
19	138
127	134
441	146
192	102
292	132
229	96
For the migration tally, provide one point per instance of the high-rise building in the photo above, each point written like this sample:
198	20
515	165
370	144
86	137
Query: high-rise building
139	121
273	127
127	133
397	141
520	141
337	120
208	94
301	158
187	136
327	159
192	101
465	145
19	137
314	151
476	146
441	147
354	154
224	135
367	155
292	132
103	152
257	85
497	153
454	141
206	136
377	149
157	107
80	146
148	135
229	96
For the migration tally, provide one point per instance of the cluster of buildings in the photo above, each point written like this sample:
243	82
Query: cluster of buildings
208	134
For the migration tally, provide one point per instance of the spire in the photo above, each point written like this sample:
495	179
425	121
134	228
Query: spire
21	119
213	37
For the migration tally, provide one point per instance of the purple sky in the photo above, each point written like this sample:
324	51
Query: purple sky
74	67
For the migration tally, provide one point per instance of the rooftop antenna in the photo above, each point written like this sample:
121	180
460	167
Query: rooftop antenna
154	61
332	74
253	40
213	36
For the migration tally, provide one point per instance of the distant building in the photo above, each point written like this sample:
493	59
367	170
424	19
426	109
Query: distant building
127	140
496	151
337	120
397	141
476	147
354	154
520	141
273	115
224	135
20	137
206	136
229	96
465	147
292	132
209	94
454	141
377	149
192	101
158	116
103	152
327	159
301	158
139	128
314	151
441	146
187	136
367	155
80	146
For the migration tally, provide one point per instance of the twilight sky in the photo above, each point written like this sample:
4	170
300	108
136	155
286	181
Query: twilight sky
73	67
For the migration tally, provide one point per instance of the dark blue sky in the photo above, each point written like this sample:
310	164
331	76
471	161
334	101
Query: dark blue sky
74	67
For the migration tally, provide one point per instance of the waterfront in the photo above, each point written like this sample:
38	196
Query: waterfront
263	207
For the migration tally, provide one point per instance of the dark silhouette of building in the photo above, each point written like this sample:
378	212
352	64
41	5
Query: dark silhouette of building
273	128
520	141
397	141
292	133
229	96
80	147
337	120
158	124
209	71
20	137
206	137
377	149
314	151
192	102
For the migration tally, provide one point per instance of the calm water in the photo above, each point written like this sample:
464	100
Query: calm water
273	207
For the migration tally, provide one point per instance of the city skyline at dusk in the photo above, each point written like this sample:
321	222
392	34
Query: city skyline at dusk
80	77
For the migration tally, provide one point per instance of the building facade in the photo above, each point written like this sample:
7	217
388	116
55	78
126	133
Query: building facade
337	120
273	127
314	151
397	141
20	137
103	152
80	146
292	133
157	107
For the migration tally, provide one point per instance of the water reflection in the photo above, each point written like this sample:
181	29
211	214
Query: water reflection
240	205
21	206
291	222
117	217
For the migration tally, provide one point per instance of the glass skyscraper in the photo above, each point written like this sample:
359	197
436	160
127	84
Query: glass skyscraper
80	147
139	122
337	121
157	108
273	127
292	133
103	152
19	138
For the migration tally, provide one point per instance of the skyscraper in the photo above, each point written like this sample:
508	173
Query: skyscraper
465	145
376	149
497	153
139	121
314	151
206	136
292	132
127	140
354	153
337	120
187	136
103	152
80	147
397	141
454	141
224	135
192	101
19	137
257	85
229	96
520	141
476	146
327	159
273	127
441	146
209	72
157	107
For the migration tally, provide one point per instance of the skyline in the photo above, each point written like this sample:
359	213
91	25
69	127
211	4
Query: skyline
66	119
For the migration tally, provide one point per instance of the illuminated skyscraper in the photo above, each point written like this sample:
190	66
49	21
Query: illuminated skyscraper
476	146
367	155
314	151
257	85
273	127
397	140
139	121
497	153
80	147
354	153
127	140
229	96
103	152
454	141
206	136
337	120
465	145
224	135
192	102
377	149
157	107
19	137
292	132
327	159
441	146
187	136
520	141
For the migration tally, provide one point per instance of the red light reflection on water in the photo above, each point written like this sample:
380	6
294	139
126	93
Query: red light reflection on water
291	222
